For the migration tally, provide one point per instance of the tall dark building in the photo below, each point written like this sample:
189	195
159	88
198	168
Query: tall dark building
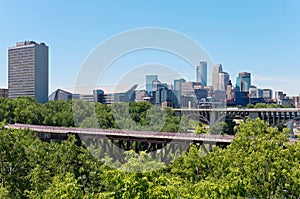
178	88
201	73
243	82
28	70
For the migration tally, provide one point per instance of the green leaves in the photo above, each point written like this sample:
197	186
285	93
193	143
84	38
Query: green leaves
14	161
64	187
259	163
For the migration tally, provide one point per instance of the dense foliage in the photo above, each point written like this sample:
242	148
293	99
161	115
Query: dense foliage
135	116
264	105
259	163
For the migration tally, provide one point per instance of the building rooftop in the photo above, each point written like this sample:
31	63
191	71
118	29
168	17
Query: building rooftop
26	43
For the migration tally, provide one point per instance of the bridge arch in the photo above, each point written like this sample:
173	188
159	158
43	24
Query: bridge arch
197	117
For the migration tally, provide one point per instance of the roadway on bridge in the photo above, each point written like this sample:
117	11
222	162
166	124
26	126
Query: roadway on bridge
192	137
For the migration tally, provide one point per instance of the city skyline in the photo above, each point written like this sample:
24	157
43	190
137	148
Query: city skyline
264	44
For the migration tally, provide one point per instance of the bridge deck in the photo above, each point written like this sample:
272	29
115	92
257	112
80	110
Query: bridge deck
192	137
256	110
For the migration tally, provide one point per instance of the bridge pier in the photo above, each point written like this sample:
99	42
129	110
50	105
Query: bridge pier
164	150
254	115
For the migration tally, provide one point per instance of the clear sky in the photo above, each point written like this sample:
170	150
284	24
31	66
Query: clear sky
261	37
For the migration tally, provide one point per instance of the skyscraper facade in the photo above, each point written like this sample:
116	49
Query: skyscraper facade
253	93
267	93
28	70
178	88
178	84
215	75
201	73
223	81
243	82
149	80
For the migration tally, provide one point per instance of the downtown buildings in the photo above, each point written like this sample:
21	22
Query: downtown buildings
182	93
28	76
28	71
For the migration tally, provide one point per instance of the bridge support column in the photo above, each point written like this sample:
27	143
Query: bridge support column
275	117
253	115
263	114
290	115
213	117
285	115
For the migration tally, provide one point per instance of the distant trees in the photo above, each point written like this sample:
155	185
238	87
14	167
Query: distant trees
265	105
133	116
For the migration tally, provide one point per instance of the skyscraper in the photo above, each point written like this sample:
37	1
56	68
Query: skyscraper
243	82
267	93
215	75
149	80
223	81
28	70
178	88
201	73
177	84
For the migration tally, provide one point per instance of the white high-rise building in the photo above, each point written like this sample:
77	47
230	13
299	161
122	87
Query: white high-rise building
223	81
267	93
215	75
28	70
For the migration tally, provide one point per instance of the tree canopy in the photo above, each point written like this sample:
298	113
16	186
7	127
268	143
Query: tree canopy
260	162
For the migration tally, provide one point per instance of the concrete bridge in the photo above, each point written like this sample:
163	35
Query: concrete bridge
272	115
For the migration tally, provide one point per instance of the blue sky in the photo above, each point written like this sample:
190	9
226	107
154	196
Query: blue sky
261	37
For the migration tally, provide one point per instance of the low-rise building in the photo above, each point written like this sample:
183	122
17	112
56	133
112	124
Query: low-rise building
60	94
267	94
3	92
113	94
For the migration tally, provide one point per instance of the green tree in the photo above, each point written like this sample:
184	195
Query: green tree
200	129
4	194
250	106
259	163
64	187
141	177
218	128
7	107
14	163
105	116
